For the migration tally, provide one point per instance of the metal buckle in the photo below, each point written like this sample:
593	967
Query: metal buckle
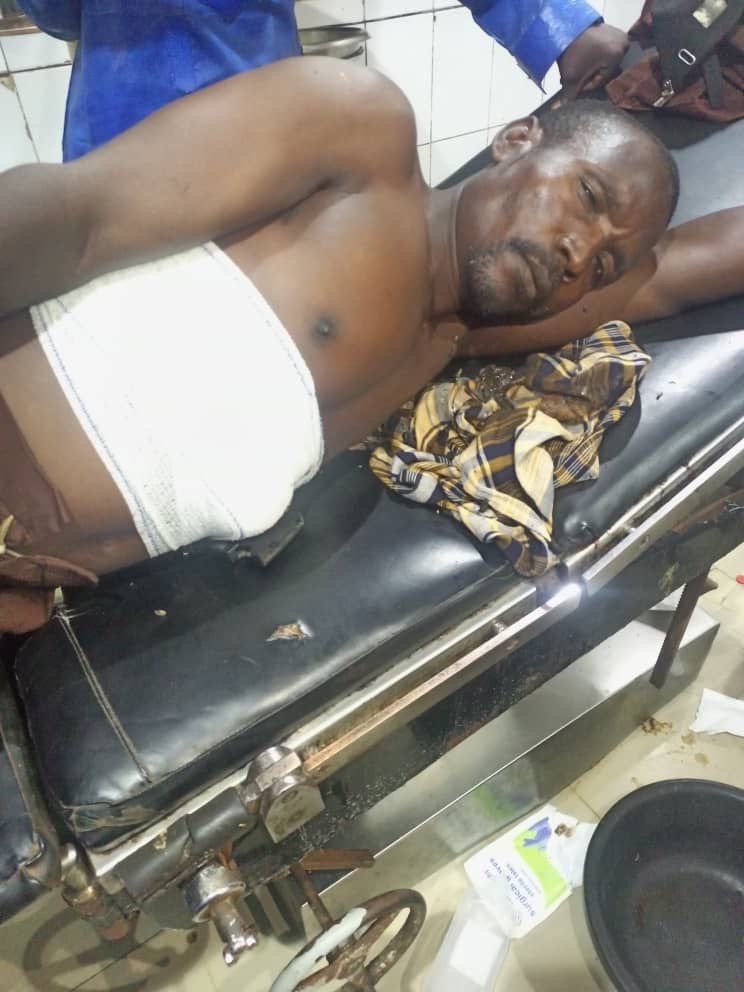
686	56
709	11
667	92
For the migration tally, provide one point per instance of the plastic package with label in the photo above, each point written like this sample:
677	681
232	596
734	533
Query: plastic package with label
527	873
473	951
516	882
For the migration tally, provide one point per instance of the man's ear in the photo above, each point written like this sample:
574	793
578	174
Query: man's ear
516	139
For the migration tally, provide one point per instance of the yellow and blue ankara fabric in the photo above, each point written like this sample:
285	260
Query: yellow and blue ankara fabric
491	449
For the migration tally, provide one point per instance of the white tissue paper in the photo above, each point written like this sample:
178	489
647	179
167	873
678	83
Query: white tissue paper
525	875
719	714
472	953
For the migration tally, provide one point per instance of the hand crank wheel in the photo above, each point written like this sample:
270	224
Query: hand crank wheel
346	945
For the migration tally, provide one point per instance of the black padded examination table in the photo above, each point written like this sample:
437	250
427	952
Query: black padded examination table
146	705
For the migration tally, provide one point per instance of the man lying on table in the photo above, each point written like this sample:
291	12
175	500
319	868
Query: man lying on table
188	397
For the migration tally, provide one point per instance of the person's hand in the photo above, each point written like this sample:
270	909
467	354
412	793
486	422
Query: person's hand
591	60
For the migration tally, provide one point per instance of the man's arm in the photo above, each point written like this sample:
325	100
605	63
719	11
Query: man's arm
60	18
692	264
539	33
218	161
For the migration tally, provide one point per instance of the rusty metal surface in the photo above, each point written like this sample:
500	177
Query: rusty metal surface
686	491
395	710
428	659
692	593
349	962
341	859
97	906
731	500
85	895
314	901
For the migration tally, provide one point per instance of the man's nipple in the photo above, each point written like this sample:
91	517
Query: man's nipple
325	329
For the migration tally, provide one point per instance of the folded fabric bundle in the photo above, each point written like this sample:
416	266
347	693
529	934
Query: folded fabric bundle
491	450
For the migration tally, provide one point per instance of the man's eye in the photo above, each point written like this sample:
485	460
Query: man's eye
600	272
589	196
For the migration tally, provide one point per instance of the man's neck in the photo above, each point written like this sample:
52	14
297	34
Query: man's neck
444	275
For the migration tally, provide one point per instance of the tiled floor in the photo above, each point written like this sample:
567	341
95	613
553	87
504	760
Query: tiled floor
48	949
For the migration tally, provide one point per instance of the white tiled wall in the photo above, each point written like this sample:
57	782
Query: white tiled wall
30	51
42	93
315	13
34	75
450	153
461	85
16	146
401	47
622	13
377	9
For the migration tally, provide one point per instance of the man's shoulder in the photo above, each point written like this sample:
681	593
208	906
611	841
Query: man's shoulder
350	80
386	96
392	122
373	100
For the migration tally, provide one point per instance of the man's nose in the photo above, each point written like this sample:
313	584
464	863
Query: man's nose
575	251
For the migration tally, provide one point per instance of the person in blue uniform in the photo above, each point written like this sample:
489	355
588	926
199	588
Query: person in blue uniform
135	56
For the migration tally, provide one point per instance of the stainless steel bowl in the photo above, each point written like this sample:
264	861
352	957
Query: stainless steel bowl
338	42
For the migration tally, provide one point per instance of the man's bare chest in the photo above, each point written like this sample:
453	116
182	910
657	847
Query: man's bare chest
348	276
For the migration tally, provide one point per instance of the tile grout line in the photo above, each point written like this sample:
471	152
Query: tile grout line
26	125
462	134
39	68
431	88
573	790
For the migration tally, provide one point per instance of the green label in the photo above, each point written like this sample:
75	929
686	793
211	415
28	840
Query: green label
532	848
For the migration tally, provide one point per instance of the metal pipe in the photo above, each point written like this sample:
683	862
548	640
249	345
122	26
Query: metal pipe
680	621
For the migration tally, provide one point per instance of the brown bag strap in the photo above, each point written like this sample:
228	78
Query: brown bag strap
686	34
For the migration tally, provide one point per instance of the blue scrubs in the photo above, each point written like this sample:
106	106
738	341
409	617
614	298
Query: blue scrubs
536	32
134	56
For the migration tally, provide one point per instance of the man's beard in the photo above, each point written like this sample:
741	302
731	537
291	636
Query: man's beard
485	298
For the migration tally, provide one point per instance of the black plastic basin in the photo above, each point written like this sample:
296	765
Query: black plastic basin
664	888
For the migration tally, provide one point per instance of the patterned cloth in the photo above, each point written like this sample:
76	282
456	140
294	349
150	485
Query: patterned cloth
492	450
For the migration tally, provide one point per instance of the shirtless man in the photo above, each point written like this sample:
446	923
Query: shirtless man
306	173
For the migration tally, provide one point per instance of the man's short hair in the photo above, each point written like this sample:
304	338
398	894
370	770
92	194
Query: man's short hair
590	119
